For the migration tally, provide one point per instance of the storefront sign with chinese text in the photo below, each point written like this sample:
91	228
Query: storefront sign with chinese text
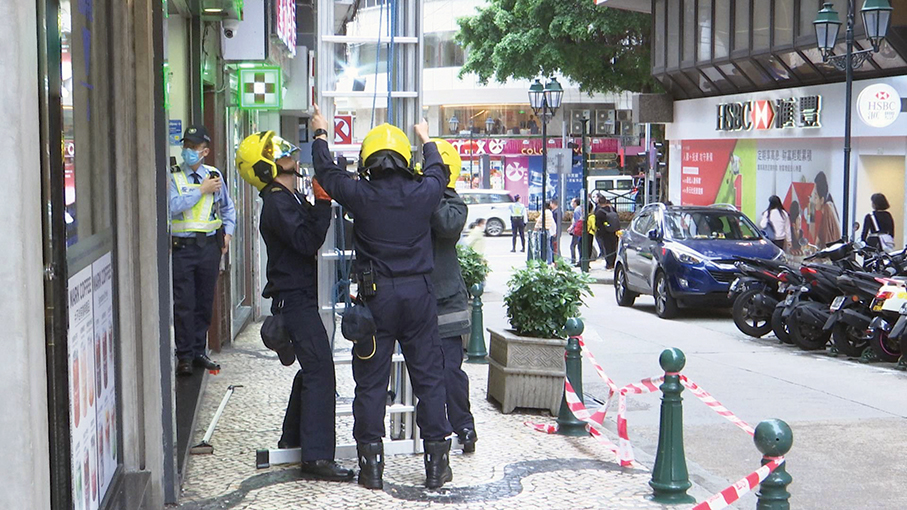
879	105
802	112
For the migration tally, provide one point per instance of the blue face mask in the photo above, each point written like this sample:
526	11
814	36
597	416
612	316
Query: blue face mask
191	157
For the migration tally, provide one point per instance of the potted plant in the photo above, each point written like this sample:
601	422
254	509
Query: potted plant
526	364
473	266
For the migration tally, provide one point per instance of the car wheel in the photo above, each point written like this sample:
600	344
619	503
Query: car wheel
665	304
494	227
624	296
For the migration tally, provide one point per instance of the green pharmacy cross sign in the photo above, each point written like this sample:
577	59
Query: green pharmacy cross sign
259	88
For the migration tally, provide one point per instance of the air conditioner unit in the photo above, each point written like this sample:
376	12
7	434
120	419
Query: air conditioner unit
624	115
576	121
604	122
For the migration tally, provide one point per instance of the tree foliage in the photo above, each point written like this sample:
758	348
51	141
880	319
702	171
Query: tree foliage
601	49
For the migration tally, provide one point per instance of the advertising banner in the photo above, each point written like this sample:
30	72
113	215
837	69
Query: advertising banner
92	392
805	174
516	178
480	146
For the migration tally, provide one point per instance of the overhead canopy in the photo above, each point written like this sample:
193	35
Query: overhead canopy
627	5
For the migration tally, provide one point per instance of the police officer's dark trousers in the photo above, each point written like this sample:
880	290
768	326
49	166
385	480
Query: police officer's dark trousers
404	310
456	383
518	227
313	350
196	262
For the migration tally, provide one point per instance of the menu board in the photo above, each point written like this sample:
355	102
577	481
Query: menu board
92	388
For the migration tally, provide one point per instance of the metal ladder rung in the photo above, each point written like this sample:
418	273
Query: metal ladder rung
267	458
333	255
347	359
347	409
367	94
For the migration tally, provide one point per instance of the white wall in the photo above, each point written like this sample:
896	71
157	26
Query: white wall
177	40
23	424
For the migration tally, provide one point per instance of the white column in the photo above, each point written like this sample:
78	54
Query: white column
23	424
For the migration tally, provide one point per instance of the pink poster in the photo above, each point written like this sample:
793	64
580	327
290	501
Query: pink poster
516	177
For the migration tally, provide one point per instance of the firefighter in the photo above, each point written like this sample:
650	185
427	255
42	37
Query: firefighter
293	231
447	224
392	210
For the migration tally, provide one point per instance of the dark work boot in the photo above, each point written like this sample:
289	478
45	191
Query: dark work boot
371	465
437	463
467	438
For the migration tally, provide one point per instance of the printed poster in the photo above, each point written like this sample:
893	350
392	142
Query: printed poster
516	178
804	174
92	386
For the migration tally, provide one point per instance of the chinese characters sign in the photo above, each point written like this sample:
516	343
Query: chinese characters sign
286	24
802	112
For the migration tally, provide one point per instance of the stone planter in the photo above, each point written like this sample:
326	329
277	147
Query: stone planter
525	372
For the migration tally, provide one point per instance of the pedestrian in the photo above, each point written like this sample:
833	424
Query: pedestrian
393	212
450	292
824	224
576	232
548	232
878	226
556	239
607	224
590	229
476	237
293	231
776	223
200	206
518	219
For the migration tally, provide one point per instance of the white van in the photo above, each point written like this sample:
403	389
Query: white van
621	190
491	204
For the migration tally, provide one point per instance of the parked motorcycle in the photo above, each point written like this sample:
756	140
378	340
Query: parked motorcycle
756	294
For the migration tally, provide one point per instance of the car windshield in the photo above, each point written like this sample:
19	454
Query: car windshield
709	225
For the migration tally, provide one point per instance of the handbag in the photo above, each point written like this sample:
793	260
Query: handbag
358	326
886	241
276	337
769	229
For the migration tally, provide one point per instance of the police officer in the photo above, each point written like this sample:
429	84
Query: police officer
199	206
517	223
392	211
450	290
293	231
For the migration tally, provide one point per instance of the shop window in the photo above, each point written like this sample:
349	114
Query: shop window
441	50
718	79
689	30
735	76
784	22
431	53
753	72
774	68
741	25
761	20
673	32
809	9
704	29
722	28
659	33
799	66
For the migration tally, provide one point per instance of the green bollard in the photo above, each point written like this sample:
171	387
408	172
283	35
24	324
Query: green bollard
774	438
670	480
475	352
567	423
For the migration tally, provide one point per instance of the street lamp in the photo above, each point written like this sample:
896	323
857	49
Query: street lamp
453	124
489	124
876	18
545	100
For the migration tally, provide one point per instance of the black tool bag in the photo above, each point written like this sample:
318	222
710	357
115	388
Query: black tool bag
276	337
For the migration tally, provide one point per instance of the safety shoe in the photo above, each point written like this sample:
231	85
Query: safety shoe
205	362
371	465
437	463
327	470
184	367
467	438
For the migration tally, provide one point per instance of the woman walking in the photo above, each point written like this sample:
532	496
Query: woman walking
776	222
878	226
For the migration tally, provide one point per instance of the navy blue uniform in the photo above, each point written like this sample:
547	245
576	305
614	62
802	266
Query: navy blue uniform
293	231
392	212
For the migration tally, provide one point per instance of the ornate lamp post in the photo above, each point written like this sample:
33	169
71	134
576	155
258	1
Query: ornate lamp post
453	124
544	102
489	124
876	18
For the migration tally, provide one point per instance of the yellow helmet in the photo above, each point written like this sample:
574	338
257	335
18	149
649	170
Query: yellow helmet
451	158
386	137
256	158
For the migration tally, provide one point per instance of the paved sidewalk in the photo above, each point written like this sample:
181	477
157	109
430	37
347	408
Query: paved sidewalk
513	467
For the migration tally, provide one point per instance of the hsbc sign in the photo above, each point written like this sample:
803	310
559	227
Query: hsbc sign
879	105
763	114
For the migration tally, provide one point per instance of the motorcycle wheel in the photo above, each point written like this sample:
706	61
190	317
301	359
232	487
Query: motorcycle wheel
885	348
805	335
747	318
779	328
849	340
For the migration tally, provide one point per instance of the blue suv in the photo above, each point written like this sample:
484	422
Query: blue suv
685	255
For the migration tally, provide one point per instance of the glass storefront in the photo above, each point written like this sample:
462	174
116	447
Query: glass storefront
489	120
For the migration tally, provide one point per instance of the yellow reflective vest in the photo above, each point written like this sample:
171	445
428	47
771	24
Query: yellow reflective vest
197	219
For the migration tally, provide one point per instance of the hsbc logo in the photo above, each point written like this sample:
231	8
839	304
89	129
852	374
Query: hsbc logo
767	114
879	105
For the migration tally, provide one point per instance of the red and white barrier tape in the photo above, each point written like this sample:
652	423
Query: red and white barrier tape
715	405
734	492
